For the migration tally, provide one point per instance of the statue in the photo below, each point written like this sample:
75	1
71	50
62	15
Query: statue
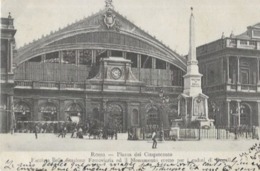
109	4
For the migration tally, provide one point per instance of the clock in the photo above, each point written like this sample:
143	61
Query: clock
116	73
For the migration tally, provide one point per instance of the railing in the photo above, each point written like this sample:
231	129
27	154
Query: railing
23	83
7	77
214	88
45	85
227	43
165	89
87	86
248	87
241	132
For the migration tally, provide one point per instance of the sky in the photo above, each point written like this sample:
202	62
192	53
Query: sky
167	20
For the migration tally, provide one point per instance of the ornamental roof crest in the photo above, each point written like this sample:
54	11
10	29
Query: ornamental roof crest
110	20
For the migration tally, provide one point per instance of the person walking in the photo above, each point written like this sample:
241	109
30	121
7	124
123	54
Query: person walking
35	131
64	132
61	132
154	140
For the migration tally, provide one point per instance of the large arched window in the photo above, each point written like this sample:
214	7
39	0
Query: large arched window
116	116
74	112
22	112
49	111
153	117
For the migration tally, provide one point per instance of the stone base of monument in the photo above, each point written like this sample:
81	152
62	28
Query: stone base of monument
206	123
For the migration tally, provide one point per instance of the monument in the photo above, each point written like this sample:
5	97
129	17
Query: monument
192	103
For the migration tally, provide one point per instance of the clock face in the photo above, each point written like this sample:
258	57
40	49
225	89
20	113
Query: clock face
116	73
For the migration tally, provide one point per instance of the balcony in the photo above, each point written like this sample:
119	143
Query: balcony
242	44
228	43
7	78
250	88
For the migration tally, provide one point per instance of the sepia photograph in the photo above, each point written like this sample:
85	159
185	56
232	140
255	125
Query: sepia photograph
130	85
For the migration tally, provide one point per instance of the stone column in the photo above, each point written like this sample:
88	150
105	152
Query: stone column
206	108
12	117
104	108
227	72
93	57
61	110
11	58
77	63
258	71
128	116
222	70
9	121
109	53
228	111
143	116
124	55
8	57
238	112
60	70
88	108
238	74
139	63
258	112
35	112
43	57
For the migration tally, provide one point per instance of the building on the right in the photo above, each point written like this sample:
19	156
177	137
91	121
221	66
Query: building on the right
231	78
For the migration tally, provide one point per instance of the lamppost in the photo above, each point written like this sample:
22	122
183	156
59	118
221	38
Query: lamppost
162	104
235	112
215	110
12	117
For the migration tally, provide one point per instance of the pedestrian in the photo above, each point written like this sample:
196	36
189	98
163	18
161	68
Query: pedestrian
64	132
154	140
35	131
74	133
80	133
61	133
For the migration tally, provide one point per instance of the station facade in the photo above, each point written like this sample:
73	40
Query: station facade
102	67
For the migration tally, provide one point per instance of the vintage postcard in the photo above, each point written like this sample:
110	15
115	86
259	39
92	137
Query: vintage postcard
131	85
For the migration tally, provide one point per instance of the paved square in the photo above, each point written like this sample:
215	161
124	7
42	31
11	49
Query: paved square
50	142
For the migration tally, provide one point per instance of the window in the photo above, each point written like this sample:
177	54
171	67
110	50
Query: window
49	111
133	58
252	43
22	112
36	59
52	57
69	56
153	117
100	54
160	64
3	53
116	53
85	57
245	76
176	76
146	61
243	42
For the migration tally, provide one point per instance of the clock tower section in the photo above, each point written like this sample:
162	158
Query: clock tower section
115	74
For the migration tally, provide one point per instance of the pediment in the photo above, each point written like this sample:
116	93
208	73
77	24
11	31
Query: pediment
105	21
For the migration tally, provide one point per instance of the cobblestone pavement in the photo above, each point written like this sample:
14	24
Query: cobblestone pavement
50	142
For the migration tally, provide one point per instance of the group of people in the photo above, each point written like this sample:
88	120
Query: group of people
91	128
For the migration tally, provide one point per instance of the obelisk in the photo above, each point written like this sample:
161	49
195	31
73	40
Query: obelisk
192	79
192	103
